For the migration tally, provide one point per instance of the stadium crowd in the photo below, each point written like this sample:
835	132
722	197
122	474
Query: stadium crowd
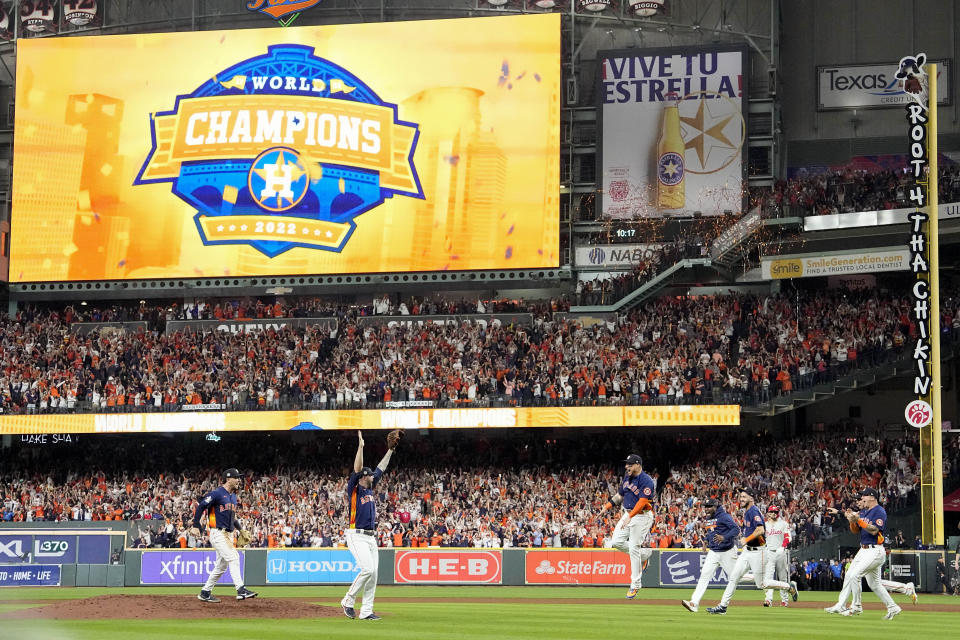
736	348
521	491
850	189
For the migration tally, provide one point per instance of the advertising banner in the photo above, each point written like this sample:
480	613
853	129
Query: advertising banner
351	419
181	567
250	326
30	575
871	86
682	568
27	548
483	320
616	256
577	567
672	131
448	567
905	566
834	264
311	566
306	150
736	233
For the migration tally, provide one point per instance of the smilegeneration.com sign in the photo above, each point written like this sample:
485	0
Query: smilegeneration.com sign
813	265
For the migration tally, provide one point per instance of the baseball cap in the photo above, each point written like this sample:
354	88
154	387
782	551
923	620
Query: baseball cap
634	459
366	471
773	509
746	490
869	492
232	472
711	502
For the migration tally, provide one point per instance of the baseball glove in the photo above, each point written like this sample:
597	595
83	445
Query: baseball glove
393	438
243	538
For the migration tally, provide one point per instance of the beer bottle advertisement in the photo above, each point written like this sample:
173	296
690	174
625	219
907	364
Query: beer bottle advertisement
672	131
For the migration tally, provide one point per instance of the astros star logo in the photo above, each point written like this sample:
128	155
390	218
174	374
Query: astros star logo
278	179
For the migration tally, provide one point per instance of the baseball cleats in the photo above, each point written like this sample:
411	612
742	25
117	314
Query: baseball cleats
912	592
794	592
837	608
243	593
718	610
784	604
372	616
632	594
892	613
348	611
689	606
768	603
852	611
206	596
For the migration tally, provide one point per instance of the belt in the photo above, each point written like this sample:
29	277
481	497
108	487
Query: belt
366	532
870	546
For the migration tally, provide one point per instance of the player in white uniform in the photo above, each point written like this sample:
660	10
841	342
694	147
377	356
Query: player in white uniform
777	532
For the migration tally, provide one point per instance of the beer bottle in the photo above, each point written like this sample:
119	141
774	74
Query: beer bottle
670	166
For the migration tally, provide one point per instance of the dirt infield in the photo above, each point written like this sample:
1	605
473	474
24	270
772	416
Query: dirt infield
122	607
128	607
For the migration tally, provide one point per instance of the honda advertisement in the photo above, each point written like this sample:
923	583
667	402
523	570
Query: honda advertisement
577	567
311	566
682	568
448	567
181	567
30	575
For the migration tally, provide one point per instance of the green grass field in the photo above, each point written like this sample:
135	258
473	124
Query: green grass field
509	613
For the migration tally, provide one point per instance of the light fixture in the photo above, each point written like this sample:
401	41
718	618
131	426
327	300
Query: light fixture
545	4
497	3
646	8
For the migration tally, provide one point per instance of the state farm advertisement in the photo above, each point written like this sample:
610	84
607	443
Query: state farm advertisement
448	567
577	567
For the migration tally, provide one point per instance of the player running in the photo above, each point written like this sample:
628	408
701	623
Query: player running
635	497
753	556
720	537
221	505
777	532
868	563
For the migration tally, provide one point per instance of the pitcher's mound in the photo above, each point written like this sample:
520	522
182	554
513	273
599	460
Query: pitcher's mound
179	607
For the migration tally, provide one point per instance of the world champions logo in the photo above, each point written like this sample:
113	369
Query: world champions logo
282	150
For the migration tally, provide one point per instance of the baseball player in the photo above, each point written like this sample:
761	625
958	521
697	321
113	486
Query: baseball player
720	537
362	534
753	556
635	498
777	532
868	563
221	505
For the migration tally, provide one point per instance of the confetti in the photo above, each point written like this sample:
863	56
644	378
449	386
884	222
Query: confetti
453	160
504	73
510	230
509	253
122	263
536	77
520	77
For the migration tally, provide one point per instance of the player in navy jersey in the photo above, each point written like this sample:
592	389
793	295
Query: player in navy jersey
220	505
753	556
635	496
719	542
870	524
362	534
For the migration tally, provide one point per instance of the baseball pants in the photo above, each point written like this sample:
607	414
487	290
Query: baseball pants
727	560
364	550
868	564
778	566
628	536
227	556
755	561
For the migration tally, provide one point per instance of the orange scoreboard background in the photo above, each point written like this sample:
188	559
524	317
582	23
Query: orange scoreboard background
405	146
